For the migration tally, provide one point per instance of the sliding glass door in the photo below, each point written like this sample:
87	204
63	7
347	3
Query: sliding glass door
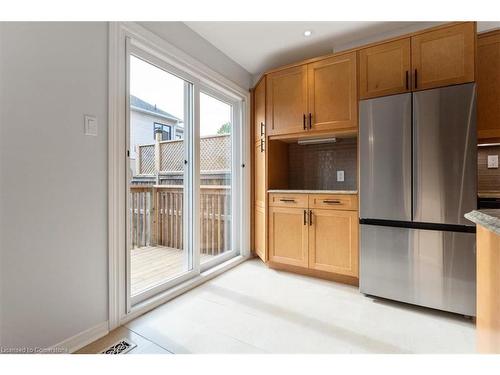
159	117
182	169
218	118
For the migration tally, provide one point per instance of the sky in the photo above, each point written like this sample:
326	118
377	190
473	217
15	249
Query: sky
156	86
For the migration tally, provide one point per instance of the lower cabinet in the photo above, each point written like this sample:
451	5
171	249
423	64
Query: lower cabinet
288	232
333	241
260	231
321	239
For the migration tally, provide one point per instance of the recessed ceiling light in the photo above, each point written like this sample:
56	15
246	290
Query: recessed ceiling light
308	33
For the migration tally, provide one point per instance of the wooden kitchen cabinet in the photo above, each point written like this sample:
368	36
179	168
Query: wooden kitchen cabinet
286	100
488	87
333	241
444	56
288	232
260	109
260	171
260	193
385	69
332	93
314	231
315	97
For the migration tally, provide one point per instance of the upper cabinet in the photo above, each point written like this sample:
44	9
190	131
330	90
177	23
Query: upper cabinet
332	93
315	97
260	109
286	100
436	58
488	87
444	56
320	96
385	69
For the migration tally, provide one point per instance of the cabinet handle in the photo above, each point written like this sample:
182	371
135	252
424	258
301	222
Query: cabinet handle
304	121
310	121
416	79
310	217
261	129
305	217
287	200
331	201
407	80
261	145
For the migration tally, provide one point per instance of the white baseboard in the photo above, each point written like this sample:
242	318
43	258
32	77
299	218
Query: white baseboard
78	341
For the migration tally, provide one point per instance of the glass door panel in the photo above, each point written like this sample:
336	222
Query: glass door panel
159	106
216	177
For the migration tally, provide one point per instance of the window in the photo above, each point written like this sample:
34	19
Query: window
165	130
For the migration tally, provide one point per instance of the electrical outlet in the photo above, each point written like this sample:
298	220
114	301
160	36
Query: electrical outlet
340	176
492	161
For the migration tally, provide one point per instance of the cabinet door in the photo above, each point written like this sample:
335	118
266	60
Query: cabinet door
332	93
286	100
384	69
260	109
260	226
488	87
288	236
260	232
333	241
443	57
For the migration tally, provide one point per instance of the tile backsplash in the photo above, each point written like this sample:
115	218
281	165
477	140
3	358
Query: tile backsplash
488	178
314	167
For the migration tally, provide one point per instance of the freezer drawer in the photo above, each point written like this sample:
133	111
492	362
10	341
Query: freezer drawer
430	268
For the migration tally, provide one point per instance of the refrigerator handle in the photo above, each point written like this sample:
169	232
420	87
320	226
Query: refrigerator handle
414	161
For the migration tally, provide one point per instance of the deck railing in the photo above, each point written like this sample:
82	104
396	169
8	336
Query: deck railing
156	217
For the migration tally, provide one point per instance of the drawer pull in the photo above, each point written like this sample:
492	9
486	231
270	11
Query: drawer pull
331	201
287	200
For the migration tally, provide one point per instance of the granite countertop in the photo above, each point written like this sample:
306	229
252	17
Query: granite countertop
489	218
313	191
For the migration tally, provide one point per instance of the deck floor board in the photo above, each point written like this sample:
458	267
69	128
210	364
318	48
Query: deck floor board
151	265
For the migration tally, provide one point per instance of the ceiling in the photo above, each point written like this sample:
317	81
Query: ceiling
260	46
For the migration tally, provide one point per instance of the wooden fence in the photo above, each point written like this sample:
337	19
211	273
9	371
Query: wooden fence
156	217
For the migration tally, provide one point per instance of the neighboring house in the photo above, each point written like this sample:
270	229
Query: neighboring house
146	118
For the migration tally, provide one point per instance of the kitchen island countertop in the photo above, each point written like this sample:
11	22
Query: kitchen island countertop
488	218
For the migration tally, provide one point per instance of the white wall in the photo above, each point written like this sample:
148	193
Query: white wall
53	180
181	36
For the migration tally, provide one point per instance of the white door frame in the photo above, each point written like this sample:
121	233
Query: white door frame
149	42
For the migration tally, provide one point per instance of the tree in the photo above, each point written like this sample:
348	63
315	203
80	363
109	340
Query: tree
225	128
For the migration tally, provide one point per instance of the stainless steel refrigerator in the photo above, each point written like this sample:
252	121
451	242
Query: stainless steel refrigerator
417	180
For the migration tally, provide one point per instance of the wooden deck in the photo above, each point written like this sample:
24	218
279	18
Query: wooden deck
151	265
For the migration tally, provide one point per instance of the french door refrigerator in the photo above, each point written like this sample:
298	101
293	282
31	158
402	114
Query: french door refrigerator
417	180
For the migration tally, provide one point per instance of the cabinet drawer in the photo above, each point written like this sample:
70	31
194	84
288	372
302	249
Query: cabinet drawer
334	202
288	200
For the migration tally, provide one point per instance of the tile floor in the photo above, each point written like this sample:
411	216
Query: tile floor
253	309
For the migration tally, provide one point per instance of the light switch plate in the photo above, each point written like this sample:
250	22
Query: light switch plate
90	125
492	161
340	176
